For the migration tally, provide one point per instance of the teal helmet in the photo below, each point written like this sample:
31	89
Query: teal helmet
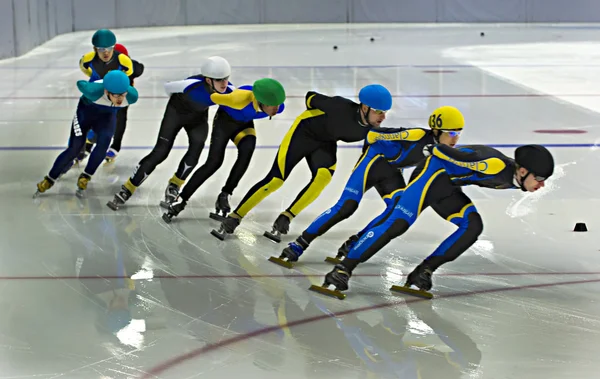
116	81
104	38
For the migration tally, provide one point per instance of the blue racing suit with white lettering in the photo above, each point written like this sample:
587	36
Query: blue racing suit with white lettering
379	166
436	182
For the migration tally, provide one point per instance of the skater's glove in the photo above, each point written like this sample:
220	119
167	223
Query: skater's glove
428	150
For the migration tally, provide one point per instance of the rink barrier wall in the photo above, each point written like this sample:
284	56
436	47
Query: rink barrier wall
25	24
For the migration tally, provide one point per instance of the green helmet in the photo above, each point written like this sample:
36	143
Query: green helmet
268	92
104	38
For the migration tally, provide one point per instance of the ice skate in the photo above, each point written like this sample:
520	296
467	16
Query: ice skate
174	209
289	255
280	226
111	155
227	227
338	277
221	205
120	198
171	194
82	183
420	278
343	250
43	186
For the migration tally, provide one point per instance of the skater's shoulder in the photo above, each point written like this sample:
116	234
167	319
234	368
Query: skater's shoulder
88	57
125	62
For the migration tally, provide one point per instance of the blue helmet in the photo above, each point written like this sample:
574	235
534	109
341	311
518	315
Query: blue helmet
116	81
376	96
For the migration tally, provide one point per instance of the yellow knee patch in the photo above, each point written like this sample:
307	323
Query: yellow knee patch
320	181
259	196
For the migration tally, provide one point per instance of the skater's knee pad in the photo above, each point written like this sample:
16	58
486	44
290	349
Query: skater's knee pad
474	225
248	136
246	146
273	185
398	227
348	208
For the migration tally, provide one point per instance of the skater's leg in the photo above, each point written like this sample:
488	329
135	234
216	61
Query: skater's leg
104	128
322	164
120	129
169	128
216	154
245	141
390	186
353	192
197	134
459	210
80	126
430	185
295	146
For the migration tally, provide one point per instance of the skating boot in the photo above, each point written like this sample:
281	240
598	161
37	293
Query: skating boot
338	277
174	209
227	227
343	250
289	255
420	278
82	183
280	226
111	155
43	186
120	198
222	205
171	194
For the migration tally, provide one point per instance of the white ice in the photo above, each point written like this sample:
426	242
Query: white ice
521	303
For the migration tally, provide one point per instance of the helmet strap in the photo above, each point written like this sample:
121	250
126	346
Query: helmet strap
260	105
366	116
522	180
436	137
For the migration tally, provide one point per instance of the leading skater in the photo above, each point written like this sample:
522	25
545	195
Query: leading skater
436	182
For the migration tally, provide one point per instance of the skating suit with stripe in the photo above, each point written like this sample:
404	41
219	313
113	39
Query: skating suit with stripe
379	166
313	136
436	182
233	123
92	66
94	112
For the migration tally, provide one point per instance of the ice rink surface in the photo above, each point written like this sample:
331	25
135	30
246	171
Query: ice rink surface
522	303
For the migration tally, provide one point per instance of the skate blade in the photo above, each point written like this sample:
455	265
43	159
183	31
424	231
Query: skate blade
333	260
218	235
327	292
166	218
217	217
112	206
165	204
80	194
409	291
281	262
273	237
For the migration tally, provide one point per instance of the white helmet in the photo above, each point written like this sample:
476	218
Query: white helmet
215	68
